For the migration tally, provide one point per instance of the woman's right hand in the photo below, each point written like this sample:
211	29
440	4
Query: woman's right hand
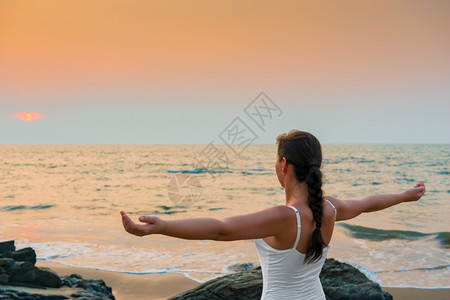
152	225
415	193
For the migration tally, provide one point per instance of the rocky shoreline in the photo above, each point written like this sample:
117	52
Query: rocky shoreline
18	270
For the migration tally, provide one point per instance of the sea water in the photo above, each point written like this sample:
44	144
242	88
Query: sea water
64	201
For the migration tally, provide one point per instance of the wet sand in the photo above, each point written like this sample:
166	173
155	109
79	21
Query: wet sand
418	293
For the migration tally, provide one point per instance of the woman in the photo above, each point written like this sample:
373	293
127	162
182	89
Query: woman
292	239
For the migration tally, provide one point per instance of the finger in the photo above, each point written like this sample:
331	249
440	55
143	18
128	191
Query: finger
419	190
125	217
127	222
147	219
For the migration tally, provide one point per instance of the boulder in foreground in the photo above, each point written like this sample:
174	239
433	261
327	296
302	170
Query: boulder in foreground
339	281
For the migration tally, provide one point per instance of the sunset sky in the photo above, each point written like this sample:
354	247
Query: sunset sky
146	72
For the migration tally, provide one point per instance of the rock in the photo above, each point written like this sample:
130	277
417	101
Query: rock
18	268
25	254
4	278
6	263
243	285
95	287
24	272
6	247
92	290
85	295
7	294
47	277
343	281
72	280
339	281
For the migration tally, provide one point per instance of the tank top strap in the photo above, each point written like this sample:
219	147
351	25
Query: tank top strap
335	211
299	225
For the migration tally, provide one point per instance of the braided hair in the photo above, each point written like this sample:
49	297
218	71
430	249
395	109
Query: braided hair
303	151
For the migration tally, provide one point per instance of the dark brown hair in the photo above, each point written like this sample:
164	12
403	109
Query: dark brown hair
303	151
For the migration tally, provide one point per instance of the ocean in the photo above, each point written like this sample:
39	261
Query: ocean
64	201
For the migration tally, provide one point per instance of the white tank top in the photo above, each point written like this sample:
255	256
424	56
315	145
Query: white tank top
286	275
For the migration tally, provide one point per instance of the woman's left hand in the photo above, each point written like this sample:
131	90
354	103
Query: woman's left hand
152	225
415	193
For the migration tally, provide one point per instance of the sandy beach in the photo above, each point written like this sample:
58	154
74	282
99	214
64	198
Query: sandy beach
130	286
418	293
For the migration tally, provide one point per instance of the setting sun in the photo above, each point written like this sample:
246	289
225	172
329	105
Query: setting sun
28	116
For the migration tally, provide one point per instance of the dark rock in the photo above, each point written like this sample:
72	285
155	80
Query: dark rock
94	287
12	294
47	277
72	280
339	281
85	295
343	281
56	297
25	254
93	290
18	268
4	278
25	272
6	247
6	263
243	285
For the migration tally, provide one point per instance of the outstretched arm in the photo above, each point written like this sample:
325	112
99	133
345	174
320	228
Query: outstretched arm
261	224
348	209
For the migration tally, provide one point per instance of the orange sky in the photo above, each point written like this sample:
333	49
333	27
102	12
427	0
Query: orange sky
132	44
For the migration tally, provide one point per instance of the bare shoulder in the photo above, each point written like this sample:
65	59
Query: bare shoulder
348	208
283	213
330	206
333	200
281	210
273	212
337	203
